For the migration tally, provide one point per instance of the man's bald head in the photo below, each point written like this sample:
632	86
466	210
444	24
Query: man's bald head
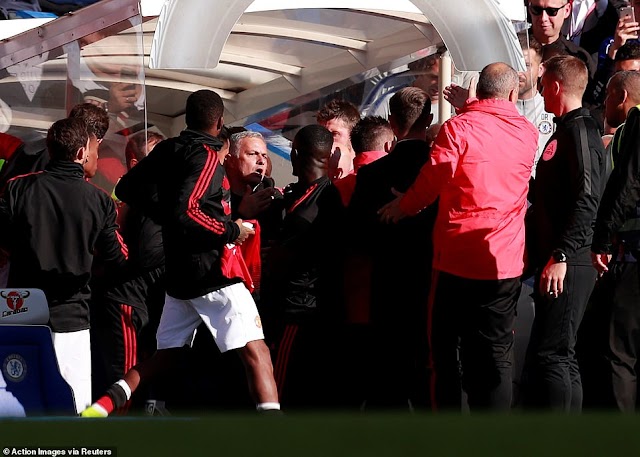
497	80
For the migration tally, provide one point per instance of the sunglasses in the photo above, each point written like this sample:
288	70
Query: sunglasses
551	11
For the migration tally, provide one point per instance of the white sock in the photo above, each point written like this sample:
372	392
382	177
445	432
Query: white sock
127	390
267	406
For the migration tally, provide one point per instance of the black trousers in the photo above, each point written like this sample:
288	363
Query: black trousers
114	338
552	376
471	335
306	365
525	312
624	333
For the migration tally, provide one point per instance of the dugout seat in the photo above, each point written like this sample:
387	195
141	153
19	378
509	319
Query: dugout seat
27	356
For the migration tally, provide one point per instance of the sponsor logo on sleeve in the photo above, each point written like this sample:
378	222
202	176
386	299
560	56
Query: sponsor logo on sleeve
550	150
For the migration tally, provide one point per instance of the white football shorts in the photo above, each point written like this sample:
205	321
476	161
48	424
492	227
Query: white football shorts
229	313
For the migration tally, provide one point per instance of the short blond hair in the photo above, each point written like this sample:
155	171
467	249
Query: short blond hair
570	72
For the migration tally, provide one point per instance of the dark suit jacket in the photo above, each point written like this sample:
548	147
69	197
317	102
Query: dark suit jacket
401	253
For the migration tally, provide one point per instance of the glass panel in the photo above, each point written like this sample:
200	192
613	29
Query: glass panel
370	93
104	67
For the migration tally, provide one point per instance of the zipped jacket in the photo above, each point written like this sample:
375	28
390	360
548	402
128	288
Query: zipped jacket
183	187
53	222
619	214
569	182
480	167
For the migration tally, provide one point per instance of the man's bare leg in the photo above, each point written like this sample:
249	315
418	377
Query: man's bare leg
259	370
120	392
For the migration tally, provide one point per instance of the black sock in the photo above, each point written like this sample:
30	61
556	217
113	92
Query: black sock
117	395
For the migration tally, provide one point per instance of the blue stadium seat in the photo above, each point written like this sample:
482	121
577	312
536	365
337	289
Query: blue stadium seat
27	356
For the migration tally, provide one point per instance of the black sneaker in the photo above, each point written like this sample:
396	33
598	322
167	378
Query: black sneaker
156	408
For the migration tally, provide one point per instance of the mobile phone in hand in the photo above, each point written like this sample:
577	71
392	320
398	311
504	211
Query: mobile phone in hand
628	11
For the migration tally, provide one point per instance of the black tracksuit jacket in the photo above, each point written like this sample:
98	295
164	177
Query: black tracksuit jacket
567	190
302	269
143	237
52	223
622	193
183	187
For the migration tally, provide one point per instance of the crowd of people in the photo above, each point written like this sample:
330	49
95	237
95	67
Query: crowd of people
390	274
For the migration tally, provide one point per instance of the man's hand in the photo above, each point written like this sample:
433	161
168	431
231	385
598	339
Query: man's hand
123	96
625	30
600	262
253	203
552	278
391	212
456	95
245	232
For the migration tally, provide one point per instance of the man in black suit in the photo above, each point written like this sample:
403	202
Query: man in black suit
399	294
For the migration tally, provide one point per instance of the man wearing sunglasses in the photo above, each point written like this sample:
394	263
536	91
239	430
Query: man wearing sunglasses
547	17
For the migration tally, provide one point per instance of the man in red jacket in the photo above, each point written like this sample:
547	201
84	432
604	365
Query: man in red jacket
480	166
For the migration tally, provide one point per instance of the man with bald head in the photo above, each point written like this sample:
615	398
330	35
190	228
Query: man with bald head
479	169
570	178
617	239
